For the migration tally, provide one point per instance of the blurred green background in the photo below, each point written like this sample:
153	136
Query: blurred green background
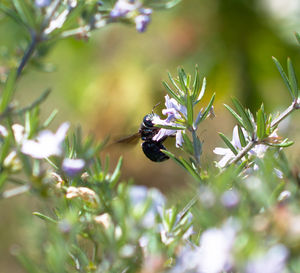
110	82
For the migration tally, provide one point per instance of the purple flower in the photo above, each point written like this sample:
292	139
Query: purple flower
72	167
141	22
175	113
42	3
46	144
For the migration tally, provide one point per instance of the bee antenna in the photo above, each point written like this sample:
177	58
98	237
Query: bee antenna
155	106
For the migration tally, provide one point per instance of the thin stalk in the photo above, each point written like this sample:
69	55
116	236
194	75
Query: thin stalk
242	153
285	113
29	51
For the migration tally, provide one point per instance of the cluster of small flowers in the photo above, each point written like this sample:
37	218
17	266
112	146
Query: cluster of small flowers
46	144
132	9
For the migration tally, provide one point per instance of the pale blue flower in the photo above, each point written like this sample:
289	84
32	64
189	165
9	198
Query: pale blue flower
72	167
142	197
230	199
42	3
272	262
141	22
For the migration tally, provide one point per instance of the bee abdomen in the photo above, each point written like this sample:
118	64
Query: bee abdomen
152	149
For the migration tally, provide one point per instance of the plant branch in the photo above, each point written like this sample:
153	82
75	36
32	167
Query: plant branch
286	113
294	106
242	153
29	51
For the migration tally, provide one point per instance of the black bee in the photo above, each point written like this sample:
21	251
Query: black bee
151	148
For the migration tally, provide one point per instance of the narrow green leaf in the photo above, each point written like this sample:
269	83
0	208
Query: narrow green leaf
190	168
196	84
292	77
284	76
117	172
207	109
183	80
260	123
182	163
284	144
26	263
200	96
52	163
25	13
188	80
228	143
5	147
235	115
170	127
190	112
172	93
244	115
12	14
37	102
197	146
241	136
162	4
187	144
3	180
50	118
8	90
171	155
297	37
44	217
180	92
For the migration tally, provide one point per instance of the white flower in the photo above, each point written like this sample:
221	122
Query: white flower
214	251
258	150
19	132
3	131
46	144
174	112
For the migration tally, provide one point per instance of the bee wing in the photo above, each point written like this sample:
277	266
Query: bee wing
131	140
